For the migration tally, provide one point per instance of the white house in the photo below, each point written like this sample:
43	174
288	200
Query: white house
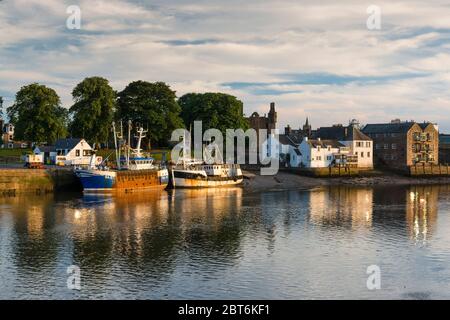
287	152
317	153
72	151
360	145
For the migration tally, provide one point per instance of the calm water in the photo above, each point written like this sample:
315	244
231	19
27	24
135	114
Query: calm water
229	243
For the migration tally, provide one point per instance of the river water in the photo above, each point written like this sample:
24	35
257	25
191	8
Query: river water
229	244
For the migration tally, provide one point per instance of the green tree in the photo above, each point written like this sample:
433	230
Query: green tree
216	110
93	110
37	114
153	105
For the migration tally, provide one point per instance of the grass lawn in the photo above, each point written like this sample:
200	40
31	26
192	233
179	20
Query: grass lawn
13	152
157	154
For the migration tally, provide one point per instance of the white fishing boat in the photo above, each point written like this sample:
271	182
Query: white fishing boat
193	173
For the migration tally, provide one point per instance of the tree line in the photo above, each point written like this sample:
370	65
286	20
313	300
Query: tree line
39	117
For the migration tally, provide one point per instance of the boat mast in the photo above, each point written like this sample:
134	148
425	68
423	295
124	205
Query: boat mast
129	143
141	135
120	137
115	145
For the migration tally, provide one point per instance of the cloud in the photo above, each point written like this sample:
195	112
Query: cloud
312	60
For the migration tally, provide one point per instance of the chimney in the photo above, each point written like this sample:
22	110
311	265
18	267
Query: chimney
287	130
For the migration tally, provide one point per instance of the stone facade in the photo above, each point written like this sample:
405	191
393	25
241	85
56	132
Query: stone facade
402	144
299	134
444	148
268	122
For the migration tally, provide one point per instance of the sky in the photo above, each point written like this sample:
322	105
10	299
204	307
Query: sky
313	60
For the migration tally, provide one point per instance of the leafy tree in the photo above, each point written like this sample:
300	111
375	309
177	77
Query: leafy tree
216	110
153	105
37	114
93	110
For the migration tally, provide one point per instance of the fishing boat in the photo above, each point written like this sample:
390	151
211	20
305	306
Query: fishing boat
208	172
134	170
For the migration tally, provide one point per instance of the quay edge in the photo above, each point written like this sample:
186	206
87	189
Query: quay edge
38	181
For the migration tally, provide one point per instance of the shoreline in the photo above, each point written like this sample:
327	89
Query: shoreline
288	180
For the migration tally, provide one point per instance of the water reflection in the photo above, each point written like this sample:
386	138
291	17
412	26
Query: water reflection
347	206
148	244
422	211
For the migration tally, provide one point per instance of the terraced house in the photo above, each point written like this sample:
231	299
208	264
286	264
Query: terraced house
400	144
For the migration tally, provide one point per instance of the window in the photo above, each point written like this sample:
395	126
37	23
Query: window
318	158
386	146
377	146
328	157
362	154
368	144
77	153
329	148
394	146
368	154
393	135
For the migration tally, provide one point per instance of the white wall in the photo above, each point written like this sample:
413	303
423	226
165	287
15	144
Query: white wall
318	157
81	146
364	150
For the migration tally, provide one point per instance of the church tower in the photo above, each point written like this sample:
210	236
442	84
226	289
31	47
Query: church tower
272	117
307	131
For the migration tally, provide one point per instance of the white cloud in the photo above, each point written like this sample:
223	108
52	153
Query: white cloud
199	45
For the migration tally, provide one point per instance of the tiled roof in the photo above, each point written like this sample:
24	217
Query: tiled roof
324	143
69	143
401	127
341	133
47	148
354	134
288	140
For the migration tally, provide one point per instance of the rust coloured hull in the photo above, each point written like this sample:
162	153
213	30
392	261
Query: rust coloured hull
139	179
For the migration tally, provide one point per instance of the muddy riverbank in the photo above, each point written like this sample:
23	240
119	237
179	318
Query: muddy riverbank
286	180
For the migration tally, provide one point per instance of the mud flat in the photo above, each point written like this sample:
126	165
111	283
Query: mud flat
287	180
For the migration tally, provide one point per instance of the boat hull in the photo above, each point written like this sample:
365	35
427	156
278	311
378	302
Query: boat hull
183	179
109	180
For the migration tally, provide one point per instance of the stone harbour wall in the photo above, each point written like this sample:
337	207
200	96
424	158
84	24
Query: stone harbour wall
38	181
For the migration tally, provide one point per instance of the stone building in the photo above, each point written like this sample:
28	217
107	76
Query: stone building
7	134
400	144
268	122
444	148
299	134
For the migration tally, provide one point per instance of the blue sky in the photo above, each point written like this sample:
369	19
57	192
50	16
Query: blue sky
313	60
